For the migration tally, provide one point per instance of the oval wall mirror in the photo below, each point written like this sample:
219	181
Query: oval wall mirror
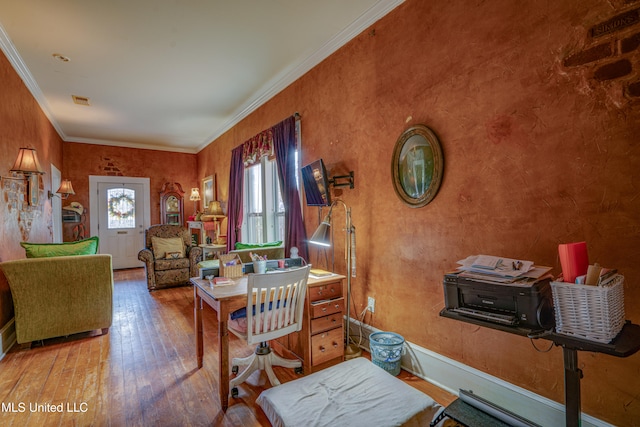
417	166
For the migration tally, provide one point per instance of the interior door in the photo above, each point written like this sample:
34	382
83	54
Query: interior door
121	222
56	205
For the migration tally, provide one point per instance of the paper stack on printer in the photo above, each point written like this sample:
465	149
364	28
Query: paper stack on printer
500	269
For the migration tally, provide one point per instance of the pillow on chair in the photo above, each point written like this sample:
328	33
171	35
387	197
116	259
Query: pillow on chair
163	245
240	245
43	250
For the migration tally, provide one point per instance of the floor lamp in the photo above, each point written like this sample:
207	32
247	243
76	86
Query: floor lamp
322	237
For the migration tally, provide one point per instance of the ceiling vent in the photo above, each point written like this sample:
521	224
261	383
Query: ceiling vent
81	100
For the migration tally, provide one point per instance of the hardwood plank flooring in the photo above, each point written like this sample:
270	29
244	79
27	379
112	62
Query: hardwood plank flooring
142	373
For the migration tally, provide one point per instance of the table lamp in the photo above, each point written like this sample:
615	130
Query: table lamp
195	197
215	210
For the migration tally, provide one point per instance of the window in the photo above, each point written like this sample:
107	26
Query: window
263	206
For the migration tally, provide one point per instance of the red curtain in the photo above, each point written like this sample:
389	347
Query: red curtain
234	209
285	145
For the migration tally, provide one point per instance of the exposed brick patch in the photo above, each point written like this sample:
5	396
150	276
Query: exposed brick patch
593	54
613	71
616	23
630	43
634	89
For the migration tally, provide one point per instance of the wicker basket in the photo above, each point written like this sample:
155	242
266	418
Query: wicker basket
594	313
233	270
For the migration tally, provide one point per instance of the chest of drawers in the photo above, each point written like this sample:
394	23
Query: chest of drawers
320	342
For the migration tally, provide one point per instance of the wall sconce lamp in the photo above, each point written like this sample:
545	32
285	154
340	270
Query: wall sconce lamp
64	191
195	198
27	162
342	180
28	165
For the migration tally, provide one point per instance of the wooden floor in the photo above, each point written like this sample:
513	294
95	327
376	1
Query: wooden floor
142	373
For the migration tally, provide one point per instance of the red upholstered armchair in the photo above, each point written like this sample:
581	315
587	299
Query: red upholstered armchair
170	258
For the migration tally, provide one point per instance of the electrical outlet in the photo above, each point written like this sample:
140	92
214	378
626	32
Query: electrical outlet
371	304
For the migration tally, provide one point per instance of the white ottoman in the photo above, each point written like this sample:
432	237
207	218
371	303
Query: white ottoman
352	393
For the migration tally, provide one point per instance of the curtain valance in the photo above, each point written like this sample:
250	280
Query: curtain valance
257	147
280	141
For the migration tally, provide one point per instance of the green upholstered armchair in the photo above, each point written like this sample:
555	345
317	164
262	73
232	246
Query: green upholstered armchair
163	242
60	296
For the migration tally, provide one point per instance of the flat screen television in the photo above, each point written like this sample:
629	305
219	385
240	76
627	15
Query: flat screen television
316	184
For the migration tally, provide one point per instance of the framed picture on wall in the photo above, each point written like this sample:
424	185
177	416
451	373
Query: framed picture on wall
208	191
417	166
34	189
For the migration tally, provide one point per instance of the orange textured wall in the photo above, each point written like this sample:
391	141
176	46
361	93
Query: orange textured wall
22	124
82	160
536	154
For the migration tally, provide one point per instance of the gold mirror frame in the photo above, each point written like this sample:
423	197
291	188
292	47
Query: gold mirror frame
417	166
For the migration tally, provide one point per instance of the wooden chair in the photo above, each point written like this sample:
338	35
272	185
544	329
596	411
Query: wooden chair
275	305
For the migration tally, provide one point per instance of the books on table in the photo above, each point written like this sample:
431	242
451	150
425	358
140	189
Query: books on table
221	281
318	273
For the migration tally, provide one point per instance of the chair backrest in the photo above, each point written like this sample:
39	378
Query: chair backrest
167	230
275	303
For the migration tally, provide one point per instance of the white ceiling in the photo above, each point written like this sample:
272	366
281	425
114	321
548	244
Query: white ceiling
169	74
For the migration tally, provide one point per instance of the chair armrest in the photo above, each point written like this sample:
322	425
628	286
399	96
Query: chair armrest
194	253
146	256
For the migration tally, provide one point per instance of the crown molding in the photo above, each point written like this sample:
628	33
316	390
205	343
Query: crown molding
276	85
18	64
272	88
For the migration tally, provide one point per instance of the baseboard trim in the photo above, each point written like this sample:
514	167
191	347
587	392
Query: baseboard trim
7	337
452	376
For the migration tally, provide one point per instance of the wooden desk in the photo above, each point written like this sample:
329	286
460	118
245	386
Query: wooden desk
321	341
226	299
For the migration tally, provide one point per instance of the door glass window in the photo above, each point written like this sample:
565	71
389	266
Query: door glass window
121	208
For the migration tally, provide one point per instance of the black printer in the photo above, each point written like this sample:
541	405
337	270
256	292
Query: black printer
526	303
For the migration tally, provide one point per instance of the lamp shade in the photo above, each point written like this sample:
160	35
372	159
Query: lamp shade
66	189
27	162
215	208
195	195
322	235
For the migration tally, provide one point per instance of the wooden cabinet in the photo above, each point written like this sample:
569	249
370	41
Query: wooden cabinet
320	343
172	204
198	234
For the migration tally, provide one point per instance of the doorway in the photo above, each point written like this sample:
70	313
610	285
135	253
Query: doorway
119	214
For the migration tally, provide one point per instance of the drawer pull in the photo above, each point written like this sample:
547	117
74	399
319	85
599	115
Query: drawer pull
337	305
324	308
322	349
335	345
